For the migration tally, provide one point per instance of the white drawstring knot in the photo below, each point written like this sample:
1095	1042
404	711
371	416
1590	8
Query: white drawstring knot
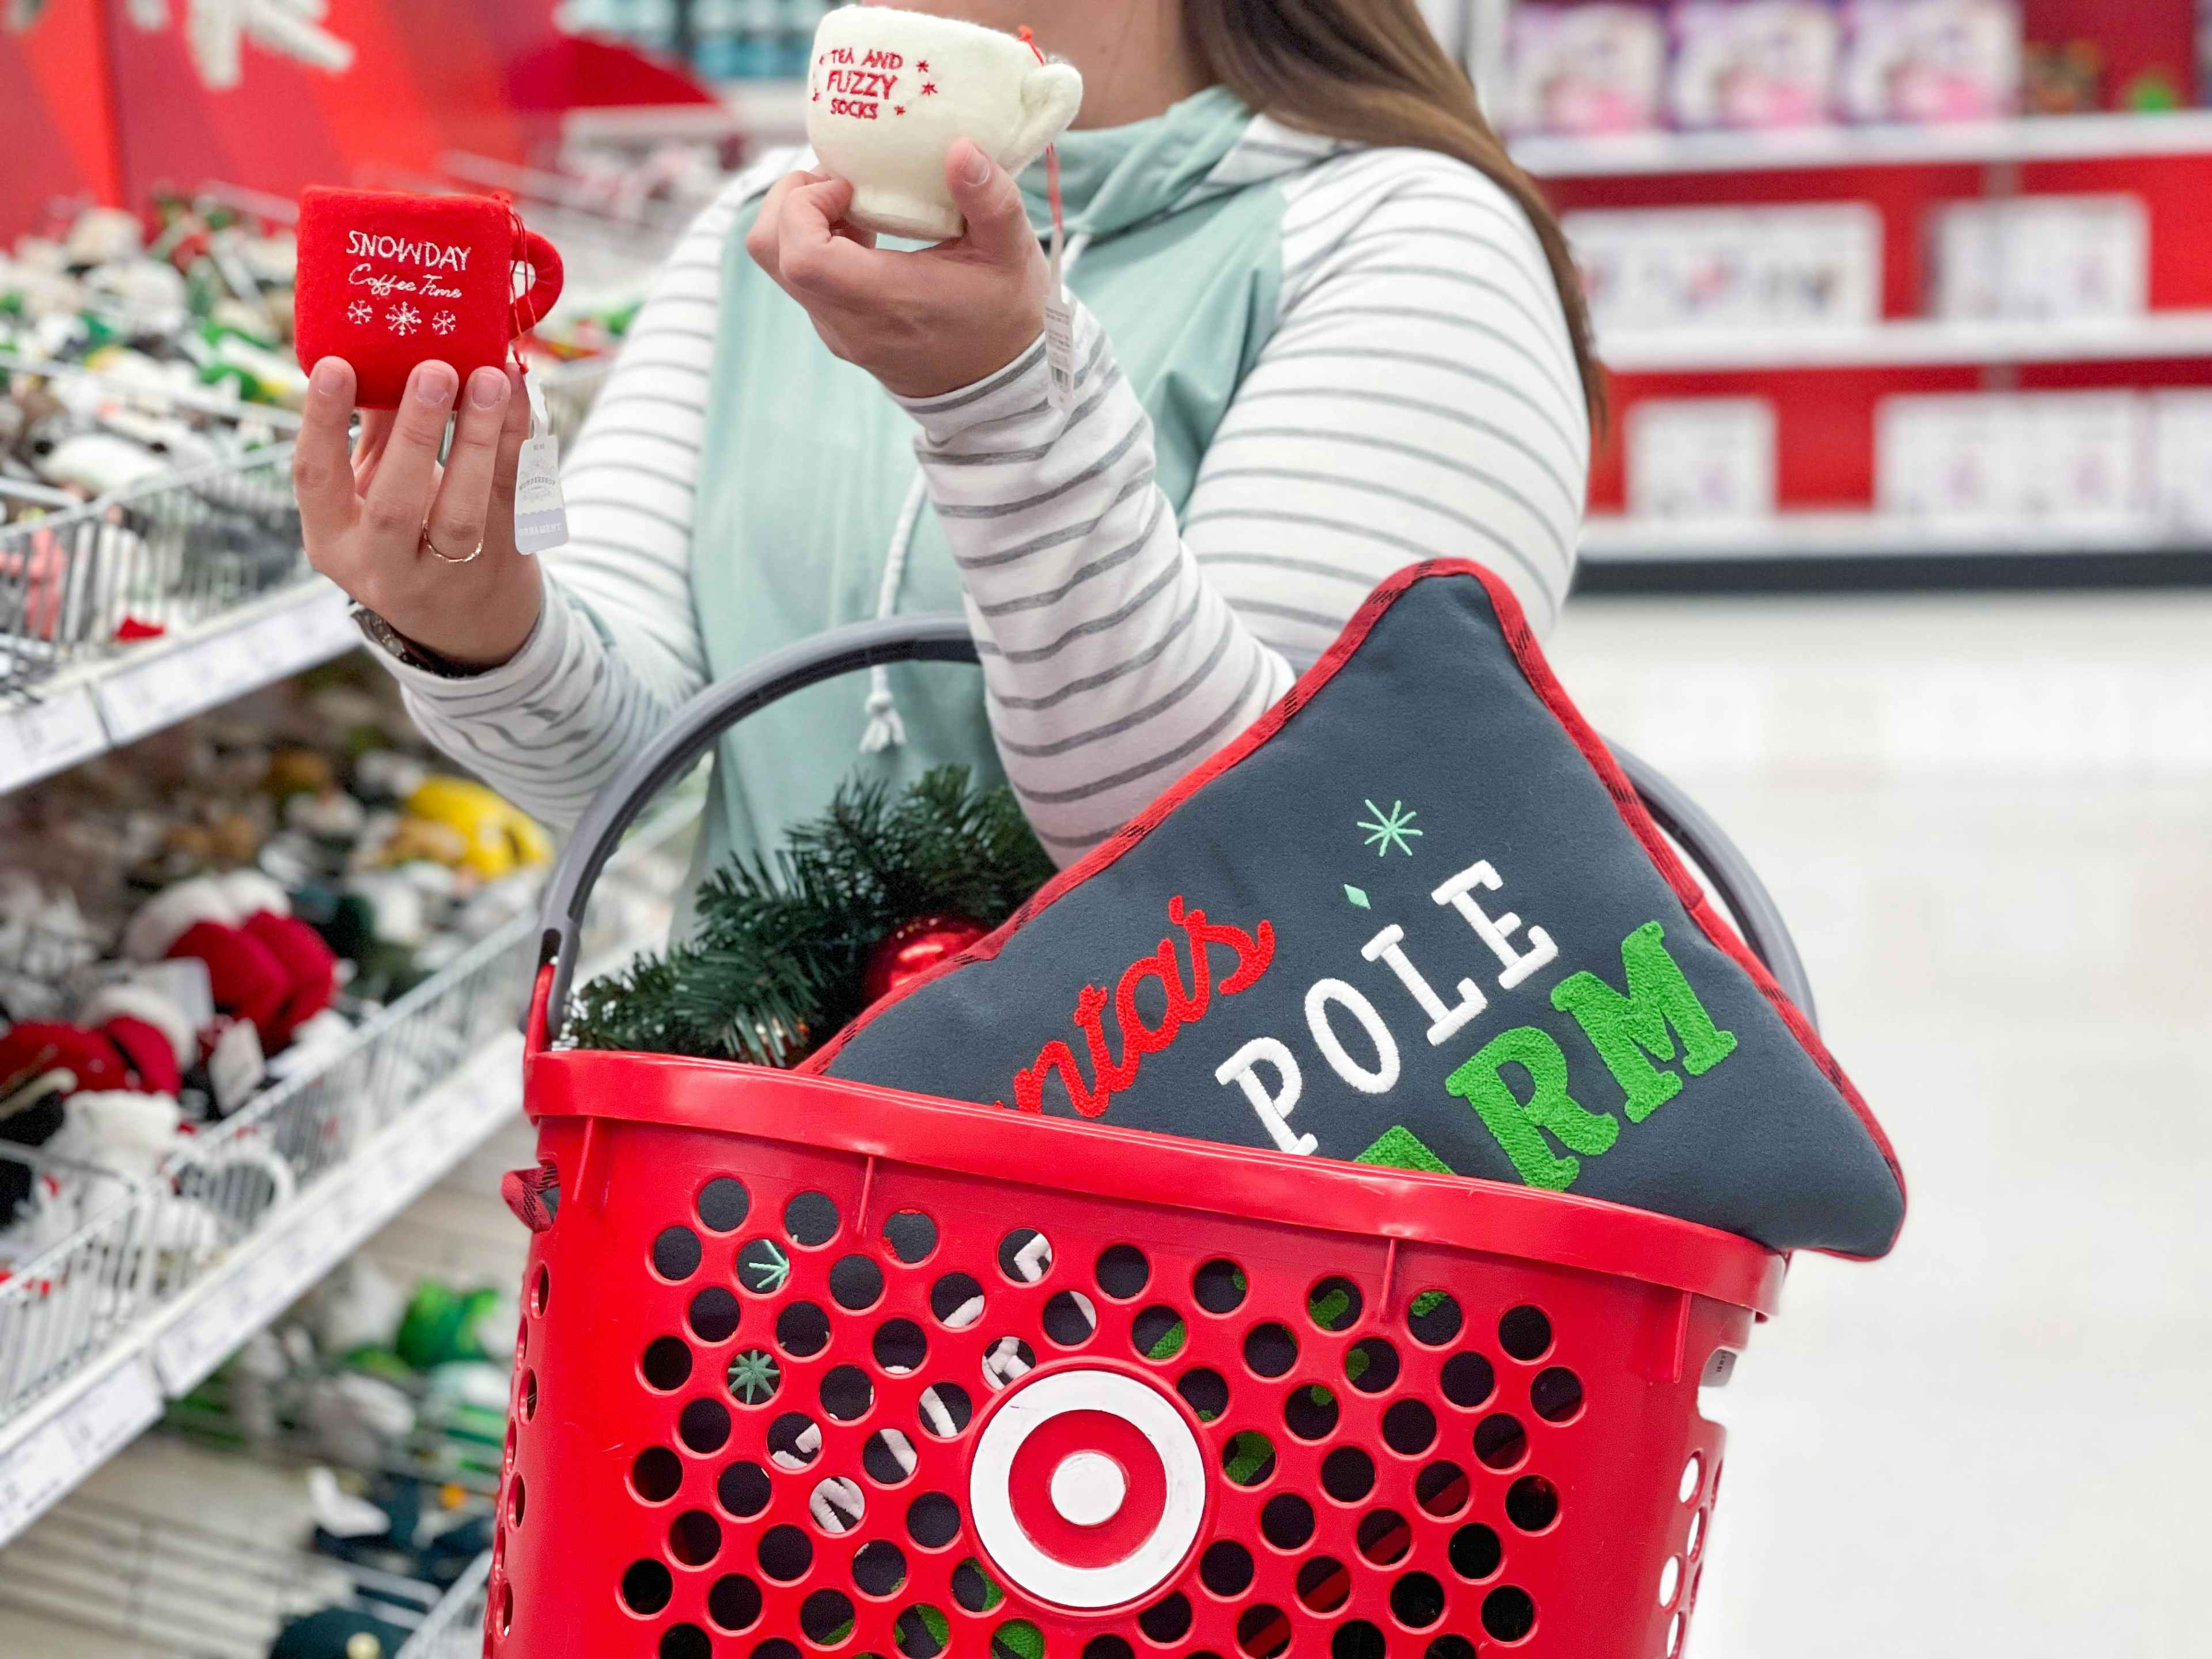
885	729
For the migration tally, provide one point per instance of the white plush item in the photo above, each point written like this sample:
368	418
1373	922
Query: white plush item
889	91
250	893
168	917
341	1514
133	1000
358	1306
125	1134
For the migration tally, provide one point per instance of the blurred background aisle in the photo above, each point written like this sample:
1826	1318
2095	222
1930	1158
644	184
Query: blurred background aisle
1986	819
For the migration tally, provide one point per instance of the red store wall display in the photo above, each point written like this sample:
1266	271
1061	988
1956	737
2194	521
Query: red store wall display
111	98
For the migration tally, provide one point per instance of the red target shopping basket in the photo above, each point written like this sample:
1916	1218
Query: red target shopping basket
808	1367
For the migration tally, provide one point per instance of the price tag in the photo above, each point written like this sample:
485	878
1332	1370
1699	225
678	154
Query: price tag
108	1415
39	738
38	1471
541	512
235	1068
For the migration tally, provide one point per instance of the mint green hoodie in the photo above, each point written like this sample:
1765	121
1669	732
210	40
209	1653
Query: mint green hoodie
809	463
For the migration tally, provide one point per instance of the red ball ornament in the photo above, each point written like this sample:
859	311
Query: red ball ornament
912	948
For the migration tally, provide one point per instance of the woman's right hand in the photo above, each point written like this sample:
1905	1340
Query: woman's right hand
372	515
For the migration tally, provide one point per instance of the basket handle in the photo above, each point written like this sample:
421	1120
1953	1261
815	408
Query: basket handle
945	638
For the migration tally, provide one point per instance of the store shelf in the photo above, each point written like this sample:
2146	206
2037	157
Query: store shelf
153	1292
97	1411
2047	138
767	109
1911	343
1804	535
103	703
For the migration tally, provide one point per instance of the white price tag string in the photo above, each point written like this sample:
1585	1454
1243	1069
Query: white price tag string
1059	313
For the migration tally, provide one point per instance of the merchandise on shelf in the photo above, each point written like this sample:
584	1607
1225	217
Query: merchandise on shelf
190	921
2040	258
1931	60
1585	68
205	304
1816	265
2081	459
2181	472
1705	459
1752	63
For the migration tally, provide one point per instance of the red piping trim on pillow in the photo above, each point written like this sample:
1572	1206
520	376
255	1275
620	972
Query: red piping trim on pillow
1538	672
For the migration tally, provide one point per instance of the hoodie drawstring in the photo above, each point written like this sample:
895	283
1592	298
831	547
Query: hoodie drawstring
885	730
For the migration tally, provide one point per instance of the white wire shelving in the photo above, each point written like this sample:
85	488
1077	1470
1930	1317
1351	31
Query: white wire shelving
154	1291
1622	541
2169	336
1812	149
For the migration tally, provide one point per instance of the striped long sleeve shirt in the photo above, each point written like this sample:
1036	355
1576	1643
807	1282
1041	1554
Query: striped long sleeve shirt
1419	398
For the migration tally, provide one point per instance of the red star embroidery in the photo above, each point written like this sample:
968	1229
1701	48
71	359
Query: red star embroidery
929	90
898	109
923	66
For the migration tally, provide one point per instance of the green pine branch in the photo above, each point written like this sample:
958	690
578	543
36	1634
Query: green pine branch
773	966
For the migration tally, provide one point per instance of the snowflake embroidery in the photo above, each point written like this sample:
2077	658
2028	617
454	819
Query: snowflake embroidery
1391	829
929	88
444	322
403	318
360	312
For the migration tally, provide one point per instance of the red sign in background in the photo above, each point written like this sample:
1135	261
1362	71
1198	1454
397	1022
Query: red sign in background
94	106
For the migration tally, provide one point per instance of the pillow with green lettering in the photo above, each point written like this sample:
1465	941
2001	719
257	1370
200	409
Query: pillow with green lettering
1414	916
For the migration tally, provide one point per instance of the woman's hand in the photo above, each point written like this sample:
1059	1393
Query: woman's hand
372	516
927	323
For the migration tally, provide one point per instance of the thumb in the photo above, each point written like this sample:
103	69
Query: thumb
990	201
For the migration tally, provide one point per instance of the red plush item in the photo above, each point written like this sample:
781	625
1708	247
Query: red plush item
310	967
248	980
40	1046
387	280
152	1062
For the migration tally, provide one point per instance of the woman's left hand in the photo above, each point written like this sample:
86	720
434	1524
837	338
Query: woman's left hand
924	323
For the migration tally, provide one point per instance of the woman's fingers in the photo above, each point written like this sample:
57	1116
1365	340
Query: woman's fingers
991	201
460	516
368	444
322	474
514	432
814	260
762	241
398	496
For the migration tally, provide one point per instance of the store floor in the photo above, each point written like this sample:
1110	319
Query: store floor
1990	821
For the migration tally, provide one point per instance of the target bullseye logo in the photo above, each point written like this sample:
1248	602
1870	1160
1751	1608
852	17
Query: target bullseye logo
1088	1488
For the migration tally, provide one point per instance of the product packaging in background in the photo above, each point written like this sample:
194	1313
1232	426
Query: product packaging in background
1817	265
1752	63
1708	461
2181	472
1931	60
2040	258
1585	69
2079	459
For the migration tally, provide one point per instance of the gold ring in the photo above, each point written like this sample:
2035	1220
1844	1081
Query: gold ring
431	548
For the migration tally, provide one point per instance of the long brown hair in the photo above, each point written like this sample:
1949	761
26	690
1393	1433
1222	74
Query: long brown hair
1371	72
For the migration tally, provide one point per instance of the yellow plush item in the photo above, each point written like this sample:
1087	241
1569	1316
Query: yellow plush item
500	838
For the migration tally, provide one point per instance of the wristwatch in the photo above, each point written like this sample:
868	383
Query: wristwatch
397	645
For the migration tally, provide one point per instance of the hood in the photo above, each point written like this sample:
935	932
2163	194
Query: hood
1208	145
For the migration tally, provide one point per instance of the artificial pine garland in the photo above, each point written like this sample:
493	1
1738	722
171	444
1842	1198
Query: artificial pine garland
777	959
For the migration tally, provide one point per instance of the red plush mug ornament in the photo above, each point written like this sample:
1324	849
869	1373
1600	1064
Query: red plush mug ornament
388	279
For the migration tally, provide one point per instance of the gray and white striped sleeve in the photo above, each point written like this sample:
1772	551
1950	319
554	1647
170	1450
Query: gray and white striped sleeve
1417	400
616	650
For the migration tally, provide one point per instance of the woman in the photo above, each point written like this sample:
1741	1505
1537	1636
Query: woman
1314	344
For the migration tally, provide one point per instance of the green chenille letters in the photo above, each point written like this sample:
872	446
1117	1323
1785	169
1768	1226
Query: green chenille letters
1627	1030
1519	1125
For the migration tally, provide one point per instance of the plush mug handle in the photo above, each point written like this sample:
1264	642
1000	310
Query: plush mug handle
1051	95
545	262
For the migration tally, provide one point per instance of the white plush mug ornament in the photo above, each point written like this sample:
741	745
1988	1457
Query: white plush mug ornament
889	92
